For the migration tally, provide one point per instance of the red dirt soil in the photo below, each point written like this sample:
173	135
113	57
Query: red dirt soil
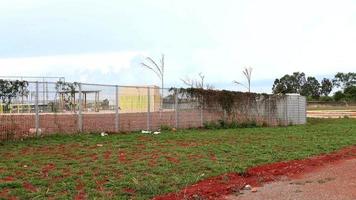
29	187
218	187
47	168
172	159
122	156
5	194
333	182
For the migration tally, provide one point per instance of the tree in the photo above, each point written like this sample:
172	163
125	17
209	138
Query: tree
105	104
339	95
194	83
197	83
67	91
350	93
247	73
344	80
289	83
11	89
311	88
157	69
326	87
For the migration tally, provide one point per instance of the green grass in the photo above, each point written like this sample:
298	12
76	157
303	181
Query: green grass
156	164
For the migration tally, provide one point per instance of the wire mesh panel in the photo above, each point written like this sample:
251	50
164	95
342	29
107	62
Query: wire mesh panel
165	116
190	112
135	105
58	107
98	103
17	116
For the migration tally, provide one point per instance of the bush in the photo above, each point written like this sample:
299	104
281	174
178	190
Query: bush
222	124
211	125
339	95
165	128
326	98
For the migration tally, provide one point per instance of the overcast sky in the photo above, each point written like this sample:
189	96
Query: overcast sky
101	41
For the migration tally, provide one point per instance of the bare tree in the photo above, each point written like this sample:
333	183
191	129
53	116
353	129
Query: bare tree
247	73
194	83
157	69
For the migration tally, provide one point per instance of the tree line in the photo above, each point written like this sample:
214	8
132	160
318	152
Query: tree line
310	87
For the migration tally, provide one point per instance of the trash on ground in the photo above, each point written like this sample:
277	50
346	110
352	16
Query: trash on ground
103	134
247	187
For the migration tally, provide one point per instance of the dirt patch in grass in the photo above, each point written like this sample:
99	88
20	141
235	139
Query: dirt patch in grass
7	179
122	157
172	160
217	187
213	157
29	187
47	168
107	155
5	194
80	191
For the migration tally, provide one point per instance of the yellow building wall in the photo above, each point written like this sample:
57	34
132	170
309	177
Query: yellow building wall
135	99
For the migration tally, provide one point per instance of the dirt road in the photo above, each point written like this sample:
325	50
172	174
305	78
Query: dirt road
331	113
332	182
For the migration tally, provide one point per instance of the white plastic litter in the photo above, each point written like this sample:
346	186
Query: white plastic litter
156	133
143	131
247	187
103	134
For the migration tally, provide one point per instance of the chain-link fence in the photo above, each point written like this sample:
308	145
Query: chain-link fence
63	107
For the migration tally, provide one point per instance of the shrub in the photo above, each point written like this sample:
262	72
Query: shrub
211	125
222	124
165	128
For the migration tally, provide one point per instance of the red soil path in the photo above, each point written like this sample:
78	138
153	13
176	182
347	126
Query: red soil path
332	182
220	186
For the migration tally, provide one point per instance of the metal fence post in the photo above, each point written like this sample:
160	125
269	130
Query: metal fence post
298	111
201	114
286	109
80	116
43	92
37	117
117	108
269	111
176	108
305	109
148	108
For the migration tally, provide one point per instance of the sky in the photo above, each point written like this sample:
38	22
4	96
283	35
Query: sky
100	41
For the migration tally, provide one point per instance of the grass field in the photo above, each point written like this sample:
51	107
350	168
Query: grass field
141	166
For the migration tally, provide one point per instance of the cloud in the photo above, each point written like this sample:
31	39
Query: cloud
62	65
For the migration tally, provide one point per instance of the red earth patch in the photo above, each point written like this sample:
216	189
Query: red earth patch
172	160
107	155
7	179
153	161
47	168
80	191
29	187
129	191
5	194
122	156
93	157
195	156
213	157
217	187
100	184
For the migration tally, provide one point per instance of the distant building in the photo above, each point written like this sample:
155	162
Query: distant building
135	99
